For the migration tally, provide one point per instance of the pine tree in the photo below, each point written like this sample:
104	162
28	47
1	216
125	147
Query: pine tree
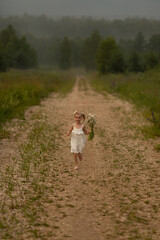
3	60
139	43
90	48
117	63
9	42
16	53
26	55
154	43
65	54
151	60
104	55
135	64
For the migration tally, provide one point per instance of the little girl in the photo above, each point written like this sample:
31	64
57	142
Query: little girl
78	139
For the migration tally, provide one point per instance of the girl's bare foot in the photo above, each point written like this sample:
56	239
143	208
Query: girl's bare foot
76	167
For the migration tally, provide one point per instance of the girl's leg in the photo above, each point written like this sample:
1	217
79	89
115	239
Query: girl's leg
75	155
80	156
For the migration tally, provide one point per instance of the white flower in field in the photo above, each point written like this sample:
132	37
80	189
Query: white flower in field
91	115
91	121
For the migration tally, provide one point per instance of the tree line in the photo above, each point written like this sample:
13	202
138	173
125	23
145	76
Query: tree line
105	54
43	26
15	52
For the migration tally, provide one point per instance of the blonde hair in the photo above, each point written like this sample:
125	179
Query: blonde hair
81	114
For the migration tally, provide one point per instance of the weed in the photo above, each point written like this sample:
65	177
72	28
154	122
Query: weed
157	147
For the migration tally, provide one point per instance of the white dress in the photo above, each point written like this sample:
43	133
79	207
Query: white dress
78	140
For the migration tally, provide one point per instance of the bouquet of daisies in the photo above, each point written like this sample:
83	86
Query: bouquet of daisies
91	121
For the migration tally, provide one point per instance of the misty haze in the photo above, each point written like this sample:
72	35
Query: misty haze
102	8
79	119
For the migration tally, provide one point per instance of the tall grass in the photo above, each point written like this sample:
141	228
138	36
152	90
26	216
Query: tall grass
20	89
142	89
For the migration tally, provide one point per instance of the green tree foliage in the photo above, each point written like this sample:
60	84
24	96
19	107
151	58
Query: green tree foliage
43	26
141	53
26	56
117	62
104	54
65	54
90	48
82	43
135	62
139	42
126	46
3	59
150	60
43	47
9	43
15	52
51	52
76	49
45	35
154	43
109	58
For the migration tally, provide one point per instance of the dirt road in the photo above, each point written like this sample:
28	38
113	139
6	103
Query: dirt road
115	194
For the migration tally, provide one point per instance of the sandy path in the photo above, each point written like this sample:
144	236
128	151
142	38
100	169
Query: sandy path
115	193
80	197
104	195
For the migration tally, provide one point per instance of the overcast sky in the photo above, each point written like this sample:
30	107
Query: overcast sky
96	8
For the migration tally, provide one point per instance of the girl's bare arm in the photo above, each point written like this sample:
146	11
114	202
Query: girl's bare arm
85	130
70	130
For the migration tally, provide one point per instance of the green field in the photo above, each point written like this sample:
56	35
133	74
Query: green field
141	89
21	89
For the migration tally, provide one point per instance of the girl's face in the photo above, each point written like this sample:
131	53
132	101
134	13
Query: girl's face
77	118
